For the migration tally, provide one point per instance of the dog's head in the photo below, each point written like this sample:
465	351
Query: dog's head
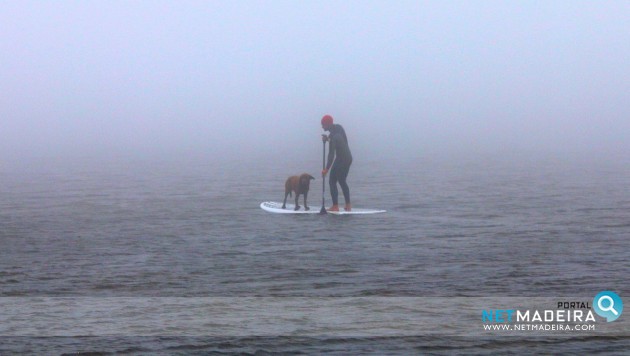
305	181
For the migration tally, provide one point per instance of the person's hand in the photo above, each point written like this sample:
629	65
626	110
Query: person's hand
324	172
324	138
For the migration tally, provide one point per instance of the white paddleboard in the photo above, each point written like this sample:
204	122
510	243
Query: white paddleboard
276	207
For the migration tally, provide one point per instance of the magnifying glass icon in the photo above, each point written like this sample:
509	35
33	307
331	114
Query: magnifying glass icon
610	307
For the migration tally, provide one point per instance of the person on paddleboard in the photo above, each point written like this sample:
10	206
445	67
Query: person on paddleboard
339	161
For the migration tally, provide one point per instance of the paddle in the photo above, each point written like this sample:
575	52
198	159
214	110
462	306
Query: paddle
323	210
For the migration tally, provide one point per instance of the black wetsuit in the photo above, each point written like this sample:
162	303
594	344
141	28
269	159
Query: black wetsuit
339	153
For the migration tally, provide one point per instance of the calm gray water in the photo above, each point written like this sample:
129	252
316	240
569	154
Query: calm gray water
192	228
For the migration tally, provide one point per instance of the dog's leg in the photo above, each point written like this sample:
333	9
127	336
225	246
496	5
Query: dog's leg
305	204
284	203
297	196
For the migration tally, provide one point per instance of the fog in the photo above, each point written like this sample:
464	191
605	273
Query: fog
243	78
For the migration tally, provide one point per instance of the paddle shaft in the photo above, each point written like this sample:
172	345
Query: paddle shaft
324	177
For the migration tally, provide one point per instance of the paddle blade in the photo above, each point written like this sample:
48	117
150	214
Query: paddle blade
323	211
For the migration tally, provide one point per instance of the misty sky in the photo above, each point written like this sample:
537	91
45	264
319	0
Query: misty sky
94	77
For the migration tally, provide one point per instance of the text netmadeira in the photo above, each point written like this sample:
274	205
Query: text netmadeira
527	316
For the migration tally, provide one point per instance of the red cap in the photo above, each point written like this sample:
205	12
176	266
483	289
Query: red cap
327	120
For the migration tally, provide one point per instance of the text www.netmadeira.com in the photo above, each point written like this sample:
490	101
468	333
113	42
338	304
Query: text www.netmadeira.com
539	327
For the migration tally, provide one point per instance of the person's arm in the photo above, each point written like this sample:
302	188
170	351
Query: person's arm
332	148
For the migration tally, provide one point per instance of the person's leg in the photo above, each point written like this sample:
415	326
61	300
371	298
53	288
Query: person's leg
342	174
334	193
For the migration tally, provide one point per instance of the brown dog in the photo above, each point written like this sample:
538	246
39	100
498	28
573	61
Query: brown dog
299	185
